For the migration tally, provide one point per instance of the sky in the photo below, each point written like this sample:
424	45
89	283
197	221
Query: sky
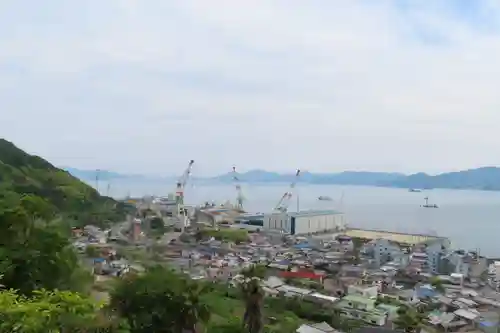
145	86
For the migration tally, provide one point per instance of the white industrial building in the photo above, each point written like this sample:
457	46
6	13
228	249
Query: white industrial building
305	222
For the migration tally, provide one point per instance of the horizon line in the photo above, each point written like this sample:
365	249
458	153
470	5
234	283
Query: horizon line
276	172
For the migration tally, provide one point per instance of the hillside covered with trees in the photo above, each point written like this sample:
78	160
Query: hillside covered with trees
45	191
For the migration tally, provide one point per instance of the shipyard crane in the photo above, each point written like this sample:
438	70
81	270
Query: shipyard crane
239	193
179	195
282	205
181	184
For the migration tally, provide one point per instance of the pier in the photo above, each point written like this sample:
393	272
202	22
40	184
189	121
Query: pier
398	237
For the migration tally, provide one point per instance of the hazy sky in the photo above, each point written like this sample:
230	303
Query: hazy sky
323	85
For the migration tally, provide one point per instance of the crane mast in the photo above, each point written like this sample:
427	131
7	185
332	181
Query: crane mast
181	184
179	195
284	202
239	192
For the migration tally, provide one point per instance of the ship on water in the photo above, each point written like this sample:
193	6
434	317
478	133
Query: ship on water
414	190
428	205
324	198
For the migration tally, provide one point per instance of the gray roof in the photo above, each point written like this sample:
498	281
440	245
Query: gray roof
314	213
316	328
250	216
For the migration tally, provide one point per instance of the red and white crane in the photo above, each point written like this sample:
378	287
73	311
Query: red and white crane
181	183
284	202
239	193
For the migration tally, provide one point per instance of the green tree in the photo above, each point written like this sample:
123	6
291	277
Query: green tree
45	311
37	207
162	301
409	319
157	227
37	256
253	297
193	311
157	223
92	251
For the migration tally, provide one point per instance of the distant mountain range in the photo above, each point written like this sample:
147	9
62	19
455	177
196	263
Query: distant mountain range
104	175
485	178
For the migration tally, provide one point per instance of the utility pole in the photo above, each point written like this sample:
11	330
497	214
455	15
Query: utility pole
97	179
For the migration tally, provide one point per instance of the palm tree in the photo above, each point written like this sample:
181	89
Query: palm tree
253	296
192	310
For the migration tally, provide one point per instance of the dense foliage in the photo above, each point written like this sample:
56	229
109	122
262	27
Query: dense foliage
35	254
46	312
45	191
162	300
45	287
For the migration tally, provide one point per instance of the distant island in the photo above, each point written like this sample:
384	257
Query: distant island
485	178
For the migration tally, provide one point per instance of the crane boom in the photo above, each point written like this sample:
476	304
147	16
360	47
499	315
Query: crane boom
284	202
239	192
181	183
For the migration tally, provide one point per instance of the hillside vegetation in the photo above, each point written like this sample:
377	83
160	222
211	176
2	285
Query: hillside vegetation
45	191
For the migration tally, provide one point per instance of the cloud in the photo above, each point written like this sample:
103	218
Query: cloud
140	86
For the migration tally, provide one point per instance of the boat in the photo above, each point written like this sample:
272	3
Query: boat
324	198
427	205
414	190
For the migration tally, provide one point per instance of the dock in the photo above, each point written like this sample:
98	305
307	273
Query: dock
398	237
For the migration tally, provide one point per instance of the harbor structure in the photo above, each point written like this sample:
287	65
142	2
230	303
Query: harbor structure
239	193
397	237
217	215
282	206
305	222
255	219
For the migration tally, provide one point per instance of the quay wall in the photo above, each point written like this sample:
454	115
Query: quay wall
398	237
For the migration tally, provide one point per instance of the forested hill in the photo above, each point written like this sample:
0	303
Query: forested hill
46	191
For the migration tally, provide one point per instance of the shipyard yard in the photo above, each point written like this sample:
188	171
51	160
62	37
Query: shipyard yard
468	218
310	255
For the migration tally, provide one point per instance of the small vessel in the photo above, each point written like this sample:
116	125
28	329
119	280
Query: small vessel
414	190
427	205
324	198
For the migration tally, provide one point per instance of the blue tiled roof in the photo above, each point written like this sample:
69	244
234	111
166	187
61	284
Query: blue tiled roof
487	323
426	292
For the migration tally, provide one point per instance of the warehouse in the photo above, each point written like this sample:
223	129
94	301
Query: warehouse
305	222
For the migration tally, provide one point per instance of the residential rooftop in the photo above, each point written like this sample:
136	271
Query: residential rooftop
357	298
